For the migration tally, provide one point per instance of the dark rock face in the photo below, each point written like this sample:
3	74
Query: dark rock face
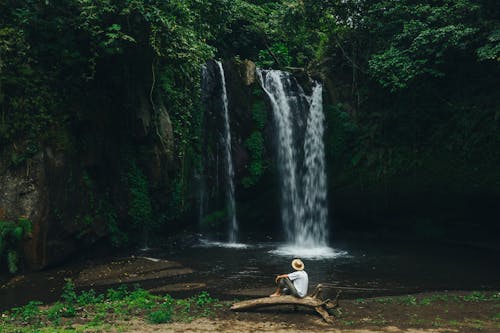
32	193
64	192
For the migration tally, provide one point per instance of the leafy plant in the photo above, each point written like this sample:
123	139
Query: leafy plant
276	55
408	300
204	298
117	294
56	312
28	314
384	300
164	312
475	296
140	208
215	219
255	145
11	236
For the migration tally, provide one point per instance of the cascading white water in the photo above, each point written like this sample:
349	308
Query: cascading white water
301	163
276	84
231	207
313	228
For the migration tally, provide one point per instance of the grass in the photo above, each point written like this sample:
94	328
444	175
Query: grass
92	312
416	310
408	300
88	311
384	300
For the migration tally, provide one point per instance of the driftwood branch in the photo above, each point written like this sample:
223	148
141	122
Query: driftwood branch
314	301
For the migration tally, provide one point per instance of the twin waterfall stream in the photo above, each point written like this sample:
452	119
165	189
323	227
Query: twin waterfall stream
231	206
298	122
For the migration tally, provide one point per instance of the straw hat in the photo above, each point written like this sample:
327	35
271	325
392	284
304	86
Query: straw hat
297	264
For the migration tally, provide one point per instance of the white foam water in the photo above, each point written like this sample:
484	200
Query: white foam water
231	206
299	122
317	252
208	243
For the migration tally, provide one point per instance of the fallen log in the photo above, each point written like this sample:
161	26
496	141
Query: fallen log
314	301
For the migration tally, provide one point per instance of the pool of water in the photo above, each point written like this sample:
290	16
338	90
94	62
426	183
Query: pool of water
359	268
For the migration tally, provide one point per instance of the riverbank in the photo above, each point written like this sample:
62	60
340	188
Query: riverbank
368	269
124	310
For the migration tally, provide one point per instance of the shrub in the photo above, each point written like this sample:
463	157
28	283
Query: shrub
28	314
163	314
204	298
11	235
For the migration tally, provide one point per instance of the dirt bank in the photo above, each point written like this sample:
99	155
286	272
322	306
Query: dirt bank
420	313
237	326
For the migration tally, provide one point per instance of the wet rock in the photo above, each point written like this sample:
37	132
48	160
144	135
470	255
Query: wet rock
143	116
23	195
165	130
247	71
179	287
128	270
34	192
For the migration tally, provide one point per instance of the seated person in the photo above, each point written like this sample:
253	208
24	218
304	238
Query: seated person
295	283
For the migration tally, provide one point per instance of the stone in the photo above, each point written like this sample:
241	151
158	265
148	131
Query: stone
247	71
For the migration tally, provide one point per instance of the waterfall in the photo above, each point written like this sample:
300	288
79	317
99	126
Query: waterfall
231	207
313	227
299	126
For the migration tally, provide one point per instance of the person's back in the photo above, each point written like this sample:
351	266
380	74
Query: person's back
295	283
300	281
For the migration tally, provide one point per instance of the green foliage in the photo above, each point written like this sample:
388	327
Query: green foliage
56	312
164	312
384	300
28	314
11	236
98	209
95	310
69	293
215	219
418	46
140	208
259	114
107	212
117	294
89	297
255	145
50	86
204	298
475	296
69	298
491	50
276	55
408	300
12	260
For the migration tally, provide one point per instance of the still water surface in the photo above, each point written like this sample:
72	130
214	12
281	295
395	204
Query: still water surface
360	269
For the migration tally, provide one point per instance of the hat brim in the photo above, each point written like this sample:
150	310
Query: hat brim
297	267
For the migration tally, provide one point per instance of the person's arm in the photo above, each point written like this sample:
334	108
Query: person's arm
280	277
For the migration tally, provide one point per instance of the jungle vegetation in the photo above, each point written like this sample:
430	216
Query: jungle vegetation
415	85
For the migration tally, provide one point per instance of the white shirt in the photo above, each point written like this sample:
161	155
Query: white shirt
300	282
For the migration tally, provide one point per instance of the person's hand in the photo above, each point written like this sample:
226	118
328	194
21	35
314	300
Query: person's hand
277	278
